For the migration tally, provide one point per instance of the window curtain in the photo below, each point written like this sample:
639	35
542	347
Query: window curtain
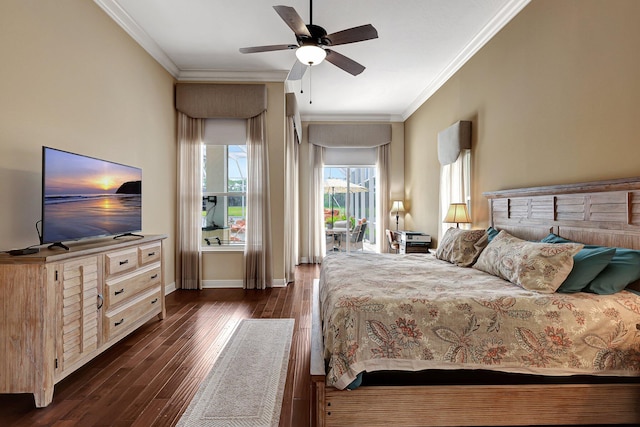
189	198
291	200
383	164
317	240
258	272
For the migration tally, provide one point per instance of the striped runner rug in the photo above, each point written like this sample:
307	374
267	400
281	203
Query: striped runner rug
246	383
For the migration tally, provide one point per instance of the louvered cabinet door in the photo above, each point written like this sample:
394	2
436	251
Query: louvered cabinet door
81	302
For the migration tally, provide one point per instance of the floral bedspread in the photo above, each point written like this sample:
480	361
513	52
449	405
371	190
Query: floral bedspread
414	312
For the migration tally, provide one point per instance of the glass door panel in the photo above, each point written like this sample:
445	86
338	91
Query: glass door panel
350	208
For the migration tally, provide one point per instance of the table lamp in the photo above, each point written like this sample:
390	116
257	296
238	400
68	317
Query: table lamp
396	208
457	213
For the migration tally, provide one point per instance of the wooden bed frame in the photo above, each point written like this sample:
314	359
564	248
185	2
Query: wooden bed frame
604	213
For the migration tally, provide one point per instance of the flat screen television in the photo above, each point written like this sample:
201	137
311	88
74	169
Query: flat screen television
84	197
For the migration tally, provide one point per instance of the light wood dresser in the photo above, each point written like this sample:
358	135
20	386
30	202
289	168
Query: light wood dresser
59	309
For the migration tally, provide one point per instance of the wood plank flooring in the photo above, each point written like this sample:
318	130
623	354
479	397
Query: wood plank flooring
149	378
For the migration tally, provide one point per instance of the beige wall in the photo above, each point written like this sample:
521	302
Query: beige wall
554	98
225	268
395	186
72	79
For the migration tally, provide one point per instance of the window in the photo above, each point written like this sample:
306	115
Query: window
455	186
350	208
224	190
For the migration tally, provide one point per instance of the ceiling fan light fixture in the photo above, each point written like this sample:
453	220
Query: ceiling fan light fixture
310	54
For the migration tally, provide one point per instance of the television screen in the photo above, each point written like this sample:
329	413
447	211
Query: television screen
86	197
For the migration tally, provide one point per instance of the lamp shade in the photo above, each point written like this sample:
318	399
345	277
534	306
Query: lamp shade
457	213
397	206
310	54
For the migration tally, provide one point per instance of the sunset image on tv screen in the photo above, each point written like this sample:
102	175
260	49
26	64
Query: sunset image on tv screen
88	197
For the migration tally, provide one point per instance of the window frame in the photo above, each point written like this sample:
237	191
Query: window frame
221	239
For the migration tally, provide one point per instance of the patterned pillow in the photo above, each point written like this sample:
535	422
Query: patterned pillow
462	247
536	266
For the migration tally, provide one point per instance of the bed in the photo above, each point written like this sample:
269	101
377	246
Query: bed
452	345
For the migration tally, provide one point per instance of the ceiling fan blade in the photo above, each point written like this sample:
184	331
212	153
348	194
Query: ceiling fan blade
293	20
352	35
347	64
269	48
297	71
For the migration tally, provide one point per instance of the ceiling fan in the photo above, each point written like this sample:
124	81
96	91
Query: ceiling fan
313	42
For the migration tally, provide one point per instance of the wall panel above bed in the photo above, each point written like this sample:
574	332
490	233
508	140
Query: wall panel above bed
575	211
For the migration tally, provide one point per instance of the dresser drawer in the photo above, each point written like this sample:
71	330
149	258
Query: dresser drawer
150	253
121	261
123	318
126	286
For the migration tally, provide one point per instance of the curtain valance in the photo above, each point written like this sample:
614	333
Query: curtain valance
292	111
350	135
452	140
203	101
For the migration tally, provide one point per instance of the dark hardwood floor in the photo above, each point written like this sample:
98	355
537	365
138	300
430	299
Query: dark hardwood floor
149	378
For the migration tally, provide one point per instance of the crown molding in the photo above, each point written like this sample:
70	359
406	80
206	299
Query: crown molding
381	118
232	76
502	18
122	18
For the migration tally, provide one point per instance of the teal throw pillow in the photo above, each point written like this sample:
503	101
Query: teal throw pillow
554	238
492	232
623	269
587	264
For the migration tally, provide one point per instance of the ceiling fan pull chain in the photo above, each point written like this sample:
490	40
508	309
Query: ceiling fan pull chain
310	73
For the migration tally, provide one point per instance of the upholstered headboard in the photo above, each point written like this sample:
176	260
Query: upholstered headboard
603	213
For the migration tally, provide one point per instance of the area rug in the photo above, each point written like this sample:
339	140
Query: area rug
246	383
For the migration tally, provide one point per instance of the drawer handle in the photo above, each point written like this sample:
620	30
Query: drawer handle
119	323
126	261
121	291
154	301
100	301
151	254
154	276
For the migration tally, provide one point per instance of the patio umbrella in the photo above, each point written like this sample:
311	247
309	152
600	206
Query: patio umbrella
335	185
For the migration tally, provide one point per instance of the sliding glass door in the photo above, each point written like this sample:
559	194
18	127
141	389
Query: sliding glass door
350	208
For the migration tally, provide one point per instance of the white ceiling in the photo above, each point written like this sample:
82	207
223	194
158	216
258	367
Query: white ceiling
421	44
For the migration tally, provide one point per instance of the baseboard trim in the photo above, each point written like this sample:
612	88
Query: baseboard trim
237	284
221	284
169	288
280	283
